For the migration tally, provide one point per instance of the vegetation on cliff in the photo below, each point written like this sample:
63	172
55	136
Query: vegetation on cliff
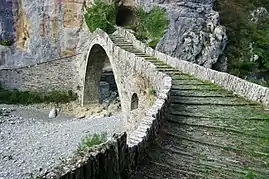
101	15
6	42
246	37
148	26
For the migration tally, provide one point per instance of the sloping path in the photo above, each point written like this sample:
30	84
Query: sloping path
209	132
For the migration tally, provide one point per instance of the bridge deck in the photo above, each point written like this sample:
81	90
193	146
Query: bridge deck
209	132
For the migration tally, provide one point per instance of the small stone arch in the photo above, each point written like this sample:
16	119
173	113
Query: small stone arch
134	101
125	16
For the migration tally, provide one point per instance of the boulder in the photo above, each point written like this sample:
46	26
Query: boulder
53	113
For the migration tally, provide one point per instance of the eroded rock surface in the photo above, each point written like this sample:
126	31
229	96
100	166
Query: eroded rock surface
194	32
41	29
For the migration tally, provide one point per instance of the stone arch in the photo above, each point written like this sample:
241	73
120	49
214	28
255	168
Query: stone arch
134	101
125	16
96	61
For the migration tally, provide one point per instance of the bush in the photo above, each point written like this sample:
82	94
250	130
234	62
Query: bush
27	97
90	141
151	26
6	42
235	16
101	15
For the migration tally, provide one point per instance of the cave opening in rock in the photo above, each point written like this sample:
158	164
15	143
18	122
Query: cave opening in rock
125	16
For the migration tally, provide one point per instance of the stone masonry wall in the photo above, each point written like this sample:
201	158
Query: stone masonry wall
230	82
58	74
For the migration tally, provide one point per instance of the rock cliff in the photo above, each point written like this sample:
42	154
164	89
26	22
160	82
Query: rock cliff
194	33
41	29
46	29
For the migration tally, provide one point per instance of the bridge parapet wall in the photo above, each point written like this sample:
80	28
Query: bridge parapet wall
230	82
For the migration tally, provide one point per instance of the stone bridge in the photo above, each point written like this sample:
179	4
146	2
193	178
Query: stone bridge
202	124
82	73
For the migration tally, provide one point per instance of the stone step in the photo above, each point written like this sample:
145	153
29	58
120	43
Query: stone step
201	93
187	167
161	66
132	50
125	45
209	101
220	141
213	111
196	156
182	77
153	169
141	54
193	82
167	70
248	127
196	87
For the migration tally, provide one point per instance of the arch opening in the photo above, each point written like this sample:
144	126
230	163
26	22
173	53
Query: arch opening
100	85
134	102
125	16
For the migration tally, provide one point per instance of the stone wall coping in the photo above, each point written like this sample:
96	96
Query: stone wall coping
229	82
48	61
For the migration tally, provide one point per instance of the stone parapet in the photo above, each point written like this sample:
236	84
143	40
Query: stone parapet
230	82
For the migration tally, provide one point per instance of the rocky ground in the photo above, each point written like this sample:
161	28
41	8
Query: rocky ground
30	142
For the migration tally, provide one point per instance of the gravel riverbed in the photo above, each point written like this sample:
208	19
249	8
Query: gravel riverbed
30	142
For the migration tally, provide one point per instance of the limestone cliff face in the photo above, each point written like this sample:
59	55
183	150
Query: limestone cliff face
194	33
41	29
47	29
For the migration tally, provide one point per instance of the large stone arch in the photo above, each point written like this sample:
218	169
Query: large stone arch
96	51
125	68
96	62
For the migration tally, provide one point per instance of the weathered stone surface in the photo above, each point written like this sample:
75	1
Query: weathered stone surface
194	33
53	113
41	29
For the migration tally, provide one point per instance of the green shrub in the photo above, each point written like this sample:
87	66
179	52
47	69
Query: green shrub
90	141
101	15
235	16
151	95
27	97
6	42
151	26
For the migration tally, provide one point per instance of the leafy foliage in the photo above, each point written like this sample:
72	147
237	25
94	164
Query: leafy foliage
241	31
27	97
151	26
90	141
6	42
101	15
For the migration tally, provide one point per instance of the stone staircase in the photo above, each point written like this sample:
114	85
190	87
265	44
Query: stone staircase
209	132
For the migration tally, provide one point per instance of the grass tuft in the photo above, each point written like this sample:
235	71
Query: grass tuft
91	140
